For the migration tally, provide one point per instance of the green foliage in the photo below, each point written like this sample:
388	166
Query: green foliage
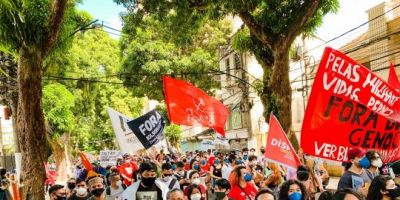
152	52
94	54
174	134
26	22
58	103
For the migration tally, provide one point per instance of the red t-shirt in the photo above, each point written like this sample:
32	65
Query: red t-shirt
238	194
187	166
127	169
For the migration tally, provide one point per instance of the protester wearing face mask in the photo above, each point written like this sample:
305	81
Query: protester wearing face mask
81	191
168	177
71	183
376	163
97	188
292	190
226	167
355	173
194	166
222	188
194	178
216	171
57	192
116	187
181	175
242	187
383	188
245	153
147	187
194	193
128	170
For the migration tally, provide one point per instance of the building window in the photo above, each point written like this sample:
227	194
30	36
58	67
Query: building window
228	69
235	120
237	61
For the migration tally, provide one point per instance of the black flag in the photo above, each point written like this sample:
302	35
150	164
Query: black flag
149	128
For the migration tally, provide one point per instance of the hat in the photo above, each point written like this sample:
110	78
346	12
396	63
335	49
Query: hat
355	152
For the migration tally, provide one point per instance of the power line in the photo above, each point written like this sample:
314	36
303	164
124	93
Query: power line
355	28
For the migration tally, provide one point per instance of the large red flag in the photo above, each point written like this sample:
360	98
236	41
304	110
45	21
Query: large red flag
278	147
393	79
188	105
85	161
350	107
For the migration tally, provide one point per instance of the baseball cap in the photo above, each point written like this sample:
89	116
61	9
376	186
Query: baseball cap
355	152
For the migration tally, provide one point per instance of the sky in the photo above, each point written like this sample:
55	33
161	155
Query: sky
351	14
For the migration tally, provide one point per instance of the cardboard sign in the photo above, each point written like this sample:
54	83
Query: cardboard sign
108	158
127	140
349	106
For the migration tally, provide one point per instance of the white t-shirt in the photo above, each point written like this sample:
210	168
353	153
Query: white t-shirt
226	170
116	194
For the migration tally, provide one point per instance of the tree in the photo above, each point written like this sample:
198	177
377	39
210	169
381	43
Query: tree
89	71
150	50
31	29
174	134
271	27
58	103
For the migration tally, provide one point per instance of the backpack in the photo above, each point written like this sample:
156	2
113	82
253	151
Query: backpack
172	183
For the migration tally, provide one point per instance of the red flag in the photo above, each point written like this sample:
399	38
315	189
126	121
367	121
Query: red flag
278	147
349	107
85	161
188	105
393	79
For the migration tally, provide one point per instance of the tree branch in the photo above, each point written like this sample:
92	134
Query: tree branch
255	28
308	10
58	8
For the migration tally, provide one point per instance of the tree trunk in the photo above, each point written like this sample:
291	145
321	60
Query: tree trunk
282	91
14	106
30	122
59	158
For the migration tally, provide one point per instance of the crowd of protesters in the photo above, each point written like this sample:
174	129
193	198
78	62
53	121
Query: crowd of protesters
232	175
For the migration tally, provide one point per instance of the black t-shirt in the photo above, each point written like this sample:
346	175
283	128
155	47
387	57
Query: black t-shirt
151	193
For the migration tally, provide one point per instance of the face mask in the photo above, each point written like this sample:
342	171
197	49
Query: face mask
364	163
97	192
245	157
216	162
81	191
196	181
148	182
239	162
119	182
377	163
203	162
180	173
295	196
71	186
220	195
263	151
167	178
61	198
247	177
394	193
196	167
226	161
173	167
195	196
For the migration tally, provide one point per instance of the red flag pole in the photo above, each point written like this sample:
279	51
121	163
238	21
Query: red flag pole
166	97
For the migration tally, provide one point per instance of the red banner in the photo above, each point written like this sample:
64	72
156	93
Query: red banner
349	106
188	105
278	147
393	80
